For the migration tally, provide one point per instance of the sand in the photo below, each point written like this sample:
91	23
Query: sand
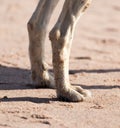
94	65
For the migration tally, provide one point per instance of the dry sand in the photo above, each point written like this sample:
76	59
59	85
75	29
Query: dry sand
94	65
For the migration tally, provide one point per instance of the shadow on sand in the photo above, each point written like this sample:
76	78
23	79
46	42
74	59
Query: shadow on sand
16	78
19	79
29	99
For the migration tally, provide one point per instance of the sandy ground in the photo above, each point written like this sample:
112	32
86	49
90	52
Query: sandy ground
94	65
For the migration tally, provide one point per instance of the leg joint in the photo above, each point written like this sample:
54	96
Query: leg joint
86	5
35	27
54	34
30	26
57	37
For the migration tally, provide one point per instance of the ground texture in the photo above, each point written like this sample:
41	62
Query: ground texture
94	65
